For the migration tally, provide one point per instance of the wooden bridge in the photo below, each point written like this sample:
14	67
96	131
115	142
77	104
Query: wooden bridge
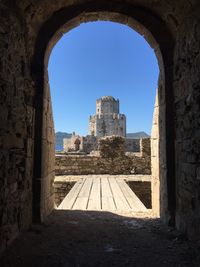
102	194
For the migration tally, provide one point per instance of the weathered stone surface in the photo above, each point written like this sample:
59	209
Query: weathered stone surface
111	147
28	31
142	191
61	189
155	166
107	121
88	144
111	159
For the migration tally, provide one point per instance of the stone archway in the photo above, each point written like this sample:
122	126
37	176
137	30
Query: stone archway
158	36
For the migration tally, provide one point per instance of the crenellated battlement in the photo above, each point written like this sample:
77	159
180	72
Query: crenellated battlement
107	121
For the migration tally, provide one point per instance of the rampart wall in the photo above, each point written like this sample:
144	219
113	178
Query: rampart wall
111	160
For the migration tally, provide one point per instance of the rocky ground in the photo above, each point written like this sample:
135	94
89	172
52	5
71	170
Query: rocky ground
78	238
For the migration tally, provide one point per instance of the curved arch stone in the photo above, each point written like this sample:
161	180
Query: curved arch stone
157	35
28	32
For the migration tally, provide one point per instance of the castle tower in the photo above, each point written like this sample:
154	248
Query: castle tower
107	121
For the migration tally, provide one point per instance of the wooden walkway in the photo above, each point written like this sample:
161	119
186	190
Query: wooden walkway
102	194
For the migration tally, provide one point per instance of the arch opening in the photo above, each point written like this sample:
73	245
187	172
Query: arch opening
102	59
163	188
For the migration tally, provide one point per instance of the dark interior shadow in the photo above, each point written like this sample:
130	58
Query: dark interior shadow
91	238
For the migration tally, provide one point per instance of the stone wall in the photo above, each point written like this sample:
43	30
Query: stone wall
111	160
61	190
109	124
47	169
107	105
107	121
187	124
132	145
77	165
155	183
90	143
143	191
28	31
16	127
73	143
62	185
111	147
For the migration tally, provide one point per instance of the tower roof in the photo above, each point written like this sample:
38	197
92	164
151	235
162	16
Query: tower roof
107	98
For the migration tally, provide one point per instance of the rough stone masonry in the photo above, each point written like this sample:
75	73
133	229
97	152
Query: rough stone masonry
106	122
28	31
109	159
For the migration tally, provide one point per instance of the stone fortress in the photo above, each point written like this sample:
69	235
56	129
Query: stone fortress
106	122
105	151
29	29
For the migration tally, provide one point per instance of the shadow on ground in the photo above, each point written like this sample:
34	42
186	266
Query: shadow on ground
80	238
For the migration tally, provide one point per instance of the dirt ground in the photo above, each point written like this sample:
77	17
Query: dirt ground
78	238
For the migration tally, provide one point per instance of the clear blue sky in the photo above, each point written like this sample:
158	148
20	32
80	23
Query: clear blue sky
98	59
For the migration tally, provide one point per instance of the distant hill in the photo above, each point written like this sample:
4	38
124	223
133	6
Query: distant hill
59	139
137	135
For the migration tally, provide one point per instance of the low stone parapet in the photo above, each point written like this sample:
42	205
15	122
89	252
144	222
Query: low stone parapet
80	164
110	159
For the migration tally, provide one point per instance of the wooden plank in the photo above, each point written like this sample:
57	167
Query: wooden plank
119	199
134	202
105	187
102	193
85	191
70	199
83	196
80	204
107	199
94	202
